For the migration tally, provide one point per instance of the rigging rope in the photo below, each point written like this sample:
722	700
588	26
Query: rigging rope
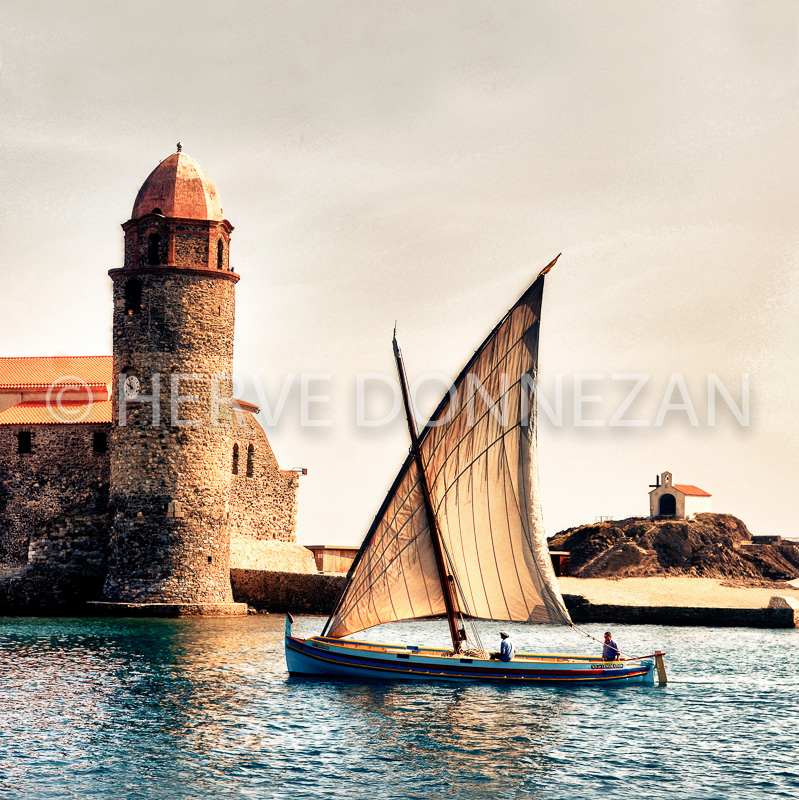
620	652
463	606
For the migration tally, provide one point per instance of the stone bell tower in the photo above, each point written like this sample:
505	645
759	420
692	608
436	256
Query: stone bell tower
174	304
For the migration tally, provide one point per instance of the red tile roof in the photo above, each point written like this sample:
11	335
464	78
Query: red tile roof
687	488
21	373
245	406
42	371
38	412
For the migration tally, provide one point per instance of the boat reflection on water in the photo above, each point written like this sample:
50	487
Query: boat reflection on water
199	708
191	709
446	736
458	735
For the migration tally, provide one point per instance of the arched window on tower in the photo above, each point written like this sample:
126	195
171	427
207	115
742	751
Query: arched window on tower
133	297
235	459
250	454
220	254
154	249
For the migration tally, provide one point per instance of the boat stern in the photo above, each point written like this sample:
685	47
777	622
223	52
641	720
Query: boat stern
655	664
291	652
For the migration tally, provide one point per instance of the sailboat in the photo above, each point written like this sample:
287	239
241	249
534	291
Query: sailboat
460	535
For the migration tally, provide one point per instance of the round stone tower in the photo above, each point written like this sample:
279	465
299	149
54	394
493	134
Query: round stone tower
171	447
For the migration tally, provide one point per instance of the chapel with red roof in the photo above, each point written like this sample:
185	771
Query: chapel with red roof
137	473
678	500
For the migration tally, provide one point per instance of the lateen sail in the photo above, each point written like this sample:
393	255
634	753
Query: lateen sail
479	455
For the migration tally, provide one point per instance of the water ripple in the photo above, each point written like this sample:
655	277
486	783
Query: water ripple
174	710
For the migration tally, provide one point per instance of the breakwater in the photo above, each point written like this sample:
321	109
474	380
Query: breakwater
317	594
41	592
780	613
287	591
44	590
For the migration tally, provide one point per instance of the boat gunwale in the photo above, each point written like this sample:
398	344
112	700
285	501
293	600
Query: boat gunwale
457	671
445	653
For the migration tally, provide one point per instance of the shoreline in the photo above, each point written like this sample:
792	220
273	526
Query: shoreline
646	601
685	592
681	601
675	600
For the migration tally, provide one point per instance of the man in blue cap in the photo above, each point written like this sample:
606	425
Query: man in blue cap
506	650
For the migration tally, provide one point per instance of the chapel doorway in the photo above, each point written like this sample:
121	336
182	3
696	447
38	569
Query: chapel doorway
668	505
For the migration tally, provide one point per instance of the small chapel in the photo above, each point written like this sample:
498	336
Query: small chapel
139	469
678	500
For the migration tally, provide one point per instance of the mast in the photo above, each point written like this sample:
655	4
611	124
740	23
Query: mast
447	581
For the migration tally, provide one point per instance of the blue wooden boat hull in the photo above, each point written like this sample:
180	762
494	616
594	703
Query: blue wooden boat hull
320	656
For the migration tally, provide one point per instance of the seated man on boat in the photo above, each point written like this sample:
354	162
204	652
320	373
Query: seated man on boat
506	650
610	650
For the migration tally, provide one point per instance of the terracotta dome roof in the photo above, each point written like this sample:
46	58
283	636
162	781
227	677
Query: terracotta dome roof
178	187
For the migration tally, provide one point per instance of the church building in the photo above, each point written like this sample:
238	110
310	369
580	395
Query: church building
678	500
138	468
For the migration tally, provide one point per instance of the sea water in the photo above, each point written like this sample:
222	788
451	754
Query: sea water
203	708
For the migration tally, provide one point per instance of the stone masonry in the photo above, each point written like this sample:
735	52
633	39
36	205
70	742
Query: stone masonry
149	516
62	472
263	501
170	464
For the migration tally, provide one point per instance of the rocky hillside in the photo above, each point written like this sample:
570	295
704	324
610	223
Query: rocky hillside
708	546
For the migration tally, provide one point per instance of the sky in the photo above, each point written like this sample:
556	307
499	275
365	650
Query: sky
420	162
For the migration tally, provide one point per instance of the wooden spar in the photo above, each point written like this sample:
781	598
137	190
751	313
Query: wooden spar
458	635
661	667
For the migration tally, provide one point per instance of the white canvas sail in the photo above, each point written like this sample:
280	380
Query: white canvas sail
396	576
479	457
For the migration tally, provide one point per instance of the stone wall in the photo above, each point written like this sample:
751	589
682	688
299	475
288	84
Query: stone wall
777	615
191	245
48	590
287	592
263	505
273	556
154	240
282	592
170	475
52	495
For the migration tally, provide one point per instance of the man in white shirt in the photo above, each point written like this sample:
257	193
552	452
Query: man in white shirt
506	650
